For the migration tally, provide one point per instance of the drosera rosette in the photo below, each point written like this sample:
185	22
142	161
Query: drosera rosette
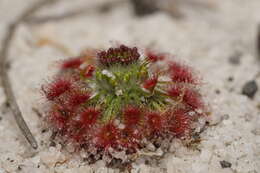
122	99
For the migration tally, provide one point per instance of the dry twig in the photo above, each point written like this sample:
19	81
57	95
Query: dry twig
4	74
73	13
258	41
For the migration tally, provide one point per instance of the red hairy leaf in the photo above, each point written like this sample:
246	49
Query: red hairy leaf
89	116
59	117
72	63
76	98
154	57
132	115
179	123
89	71
175	91
149	84
130	138
155	121
181	73
192	98
56	88
107	136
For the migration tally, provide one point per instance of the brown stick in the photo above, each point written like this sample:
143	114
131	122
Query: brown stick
72	13
144	7
258	41
4	74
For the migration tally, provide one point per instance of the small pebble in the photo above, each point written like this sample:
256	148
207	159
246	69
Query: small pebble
230	79
258	106
235	58
44	130
19	168
217	91
147	162
249	89
151	147
52	144
225	164
144	7
225	116
7	104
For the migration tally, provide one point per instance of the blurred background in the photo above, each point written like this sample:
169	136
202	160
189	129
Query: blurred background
221	39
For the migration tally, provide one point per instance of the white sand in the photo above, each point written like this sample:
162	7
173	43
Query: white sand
204	38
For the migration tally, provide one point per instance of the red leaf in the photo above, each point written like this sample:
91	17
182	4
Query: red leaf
107	136
89	116
76	98
155	121
89	71
181	73
56	88
72	63
179	123
149	84
192	98
132	115
153	57
175	91
130	138
59	117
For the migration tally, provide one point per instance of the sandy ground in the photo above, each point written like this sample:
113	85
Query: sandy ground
206	38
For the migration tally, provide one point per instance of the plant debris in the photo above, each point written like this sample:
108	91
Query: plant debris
225	164
250	88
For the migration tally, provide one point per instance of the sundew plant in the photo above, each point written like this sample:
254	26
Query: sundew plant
122	99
